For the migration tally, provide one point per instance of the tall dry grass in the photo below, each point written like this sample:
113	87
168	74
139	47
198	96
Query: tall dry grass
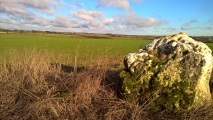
35	85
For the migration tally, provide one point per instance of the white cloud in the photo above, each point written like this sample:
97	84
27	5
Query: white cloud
91	20
119	27
43	6
12	10
15	14
121	4
64	22
76	5
97	20
132	20
108	21
88	15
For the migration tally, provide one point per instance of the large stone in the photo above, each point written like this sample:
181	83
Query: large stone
170	73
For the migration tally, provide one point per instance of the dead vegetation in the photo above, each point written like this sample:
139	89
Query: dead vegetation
32	87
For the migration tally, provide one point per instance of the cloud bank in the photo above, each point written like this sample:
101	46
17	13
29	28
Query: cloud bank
34	14
57	15
21	6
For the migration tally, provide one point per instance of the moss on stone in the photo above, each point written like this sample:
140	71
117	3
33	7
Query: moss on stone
160	92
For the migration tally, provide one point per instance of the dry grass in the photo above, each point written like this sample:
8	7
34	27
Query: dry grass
32	87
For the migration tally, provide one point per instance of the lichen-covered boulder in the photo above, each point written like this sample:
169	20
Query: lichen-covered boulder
170	73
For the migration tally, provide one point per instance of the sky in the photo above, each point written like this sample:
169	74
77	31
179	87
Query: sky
132	17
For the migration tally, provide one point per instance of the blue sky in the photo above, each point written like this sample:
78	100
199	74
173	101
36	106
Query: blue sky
135	17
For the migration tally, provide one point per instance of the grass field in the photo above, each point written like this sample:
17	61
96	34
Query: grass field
54	76
68	44
71	47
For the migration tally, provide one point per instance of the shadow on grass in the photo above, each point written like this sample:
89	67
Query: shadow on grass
110	79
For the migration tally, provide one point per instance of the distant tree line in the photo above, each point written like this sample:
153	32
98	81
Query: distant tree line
142	37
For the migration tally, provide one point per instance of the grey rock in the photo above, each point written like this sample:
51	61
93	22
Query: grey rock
170	73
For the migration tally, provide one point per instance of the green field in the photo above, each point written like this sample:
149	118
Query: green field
85	48
71	45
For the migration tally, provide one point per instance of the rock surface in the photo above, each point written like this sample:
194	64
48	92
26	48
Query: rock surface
170	73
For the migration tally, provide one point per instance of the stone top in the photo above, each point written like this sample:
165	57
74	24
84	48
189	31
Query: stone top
182	41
